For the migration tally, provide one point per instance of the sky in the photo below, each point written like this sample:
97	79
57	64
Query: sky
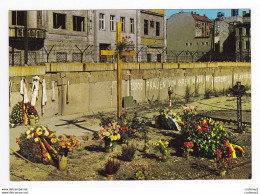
210	13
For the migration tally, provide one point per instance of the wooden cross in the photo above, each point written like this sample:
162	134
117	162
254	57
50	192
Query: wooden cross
119	67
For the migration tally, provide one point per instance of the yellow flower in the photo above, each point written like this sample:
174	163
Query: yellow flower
209	141
39	132
217	141
54	140
36	139
46	133
29	136
199	127
32	135
28	132
118	136
165	151
208	137
32	129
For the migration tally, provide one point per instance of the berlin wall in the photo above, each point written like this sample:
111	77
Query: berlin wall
92	87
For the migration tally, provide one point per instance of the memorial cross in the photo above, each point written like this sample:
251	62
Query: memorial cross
119	66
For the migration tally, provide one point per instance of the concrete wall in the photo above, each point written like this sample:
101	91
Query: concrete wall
92	89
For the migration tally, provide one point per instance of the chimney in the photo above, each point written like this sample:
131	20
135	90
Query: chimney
244	13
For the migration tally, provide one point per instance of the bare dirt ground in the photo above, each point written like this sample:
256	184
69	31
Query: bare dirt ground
88	162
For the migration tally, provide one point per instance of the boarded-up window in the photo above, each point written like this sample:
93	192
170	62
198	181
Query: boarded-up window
16	56
31	58
76	57
61	57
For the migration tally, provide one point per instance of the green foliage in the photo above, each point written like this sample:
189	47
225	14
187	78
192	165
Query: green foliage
187	94
206	134
128	152
207	94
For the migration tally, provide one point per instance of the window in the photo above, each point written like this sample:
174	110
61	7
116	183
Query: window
247	31
157	28
76	57
202	43
187	44
59	21
239	45
240	31
159	58
61	57
149	57
207	43
112	23
132	25
101	21
151	24
190	43
247	45
18	18
145	27
122	20
78	23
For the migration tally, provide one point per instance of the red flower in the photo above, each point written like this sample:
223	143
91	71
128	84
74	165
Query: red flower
188	122
27	145
125	128
37	151
132	130
190	132
33	153
31	132
123	38
194	124
126	111
123	131
33	144
184	130
30	140
199	130
30	149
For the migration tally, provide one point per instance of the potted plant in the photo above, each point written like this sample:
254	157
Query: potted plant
111	168
67	143
141	172
128	152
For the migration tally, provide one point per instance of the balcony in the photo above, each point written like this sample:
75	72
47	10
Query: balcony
32	33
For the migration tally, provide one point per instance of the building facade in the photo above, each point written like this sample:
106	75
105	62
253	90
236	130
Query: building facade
243	39
105	31
49	36
189	37
151	44
40	36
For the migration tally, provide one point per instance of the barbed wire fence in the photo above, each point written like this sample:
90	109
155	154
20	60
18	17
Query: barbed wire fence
62	53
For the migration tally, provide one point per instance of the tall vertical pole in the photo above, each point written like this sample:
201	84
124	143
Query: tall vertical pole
25	39
239	108
119	73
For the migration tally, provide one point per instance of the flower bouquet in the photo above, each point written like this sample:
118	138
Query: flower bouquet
39	144
168	120
188	146
66	143
111	135
126	125
124	45
161	146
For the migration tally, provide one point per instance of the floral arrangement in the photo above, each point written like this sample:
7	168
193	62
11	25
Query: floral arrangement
17	115
165	119
128	125
141	172
110	134
124	45
206	134
67	143
161	146
21	113
112	166
39	144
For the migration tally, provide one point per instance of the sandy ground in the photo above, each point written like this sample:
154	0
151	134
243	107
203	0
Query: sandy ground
85	164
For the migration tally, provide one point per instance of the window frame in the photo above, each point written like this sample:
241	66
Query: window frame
75	24
132	25
56	21
112	23
122	20
101	21
158	29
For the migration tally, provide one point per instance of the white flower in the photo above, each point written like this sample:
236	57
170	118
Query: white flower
39	129
28	132
36	139
46	133
29	136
